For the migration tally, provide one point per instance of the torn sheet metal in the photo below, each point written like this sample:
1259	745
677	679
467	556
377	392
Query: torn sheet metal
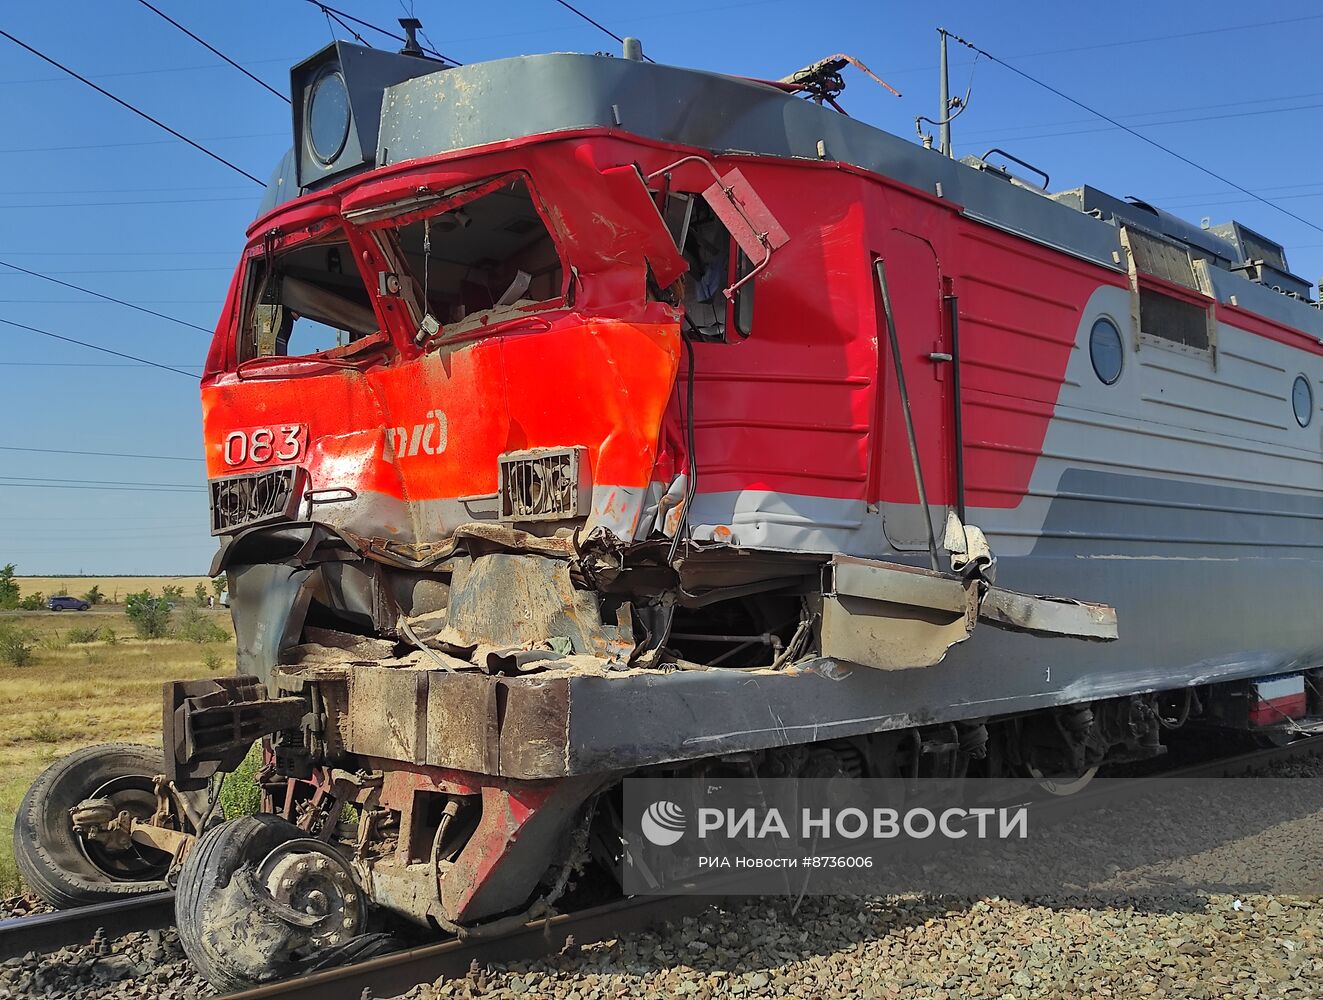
1049	616
894	617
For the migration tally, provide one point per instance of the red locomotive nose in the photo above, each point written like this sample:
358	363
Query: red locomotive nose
575	419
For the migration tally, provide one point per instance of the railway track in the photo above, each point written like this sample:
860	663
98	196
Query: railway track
397	972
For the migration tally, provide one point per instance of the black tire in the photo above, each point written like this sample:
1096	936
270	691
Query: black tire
54	861
232	949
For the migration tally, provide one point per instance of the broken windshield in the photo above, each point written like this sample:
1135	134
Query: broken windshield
481	255
305	301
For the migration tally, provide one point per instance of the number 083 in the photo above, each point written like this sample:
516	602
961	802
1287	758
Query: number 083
261	445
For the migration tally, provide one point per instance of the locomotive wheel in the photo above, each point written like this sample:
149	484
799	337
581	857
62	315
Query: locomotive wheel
1061	784
59	864
256	899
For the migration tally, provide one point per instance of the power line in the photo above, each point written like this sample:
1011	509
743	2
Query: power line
110	517
1056	133
95	347
108	298
1220	106
1122	42
102	454
215	51
125	104
97	482
327	9
1139	135
69	302
146	201
109	486
73	364
140	142
149	190
147	72
138	270
597	24
118	253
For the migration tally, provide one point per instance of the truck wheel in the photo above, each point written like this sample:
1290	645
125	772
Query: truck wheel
257	900
56	862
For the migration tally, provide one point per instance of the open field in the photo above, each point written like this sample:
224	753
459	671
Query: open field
75	694
116	588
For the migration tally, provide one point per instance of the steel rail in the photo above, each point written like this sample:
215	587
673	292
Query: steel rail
400	971
47	932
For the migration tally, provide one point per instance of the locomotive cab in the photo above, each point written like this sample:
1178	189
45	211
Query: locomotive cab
555	400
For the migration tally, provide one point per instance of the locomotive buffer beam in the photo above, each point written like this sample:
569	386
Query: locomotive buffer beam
209	725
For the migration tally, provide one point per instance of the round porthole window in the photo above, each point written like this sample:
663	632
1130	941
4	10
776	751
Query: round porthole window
1302	400
328	116
1105	350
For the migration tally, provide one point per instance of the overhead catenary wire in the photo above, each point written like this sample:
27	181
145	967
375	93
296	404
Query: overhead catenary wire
78	364
153	71
36	482
139	142
97	347
137	111
598	25
1139	135
75	205
108	298
215	51
99	454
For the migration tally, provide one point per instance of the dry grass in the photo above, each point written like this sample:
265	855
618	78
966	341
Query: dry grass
72	695
116	588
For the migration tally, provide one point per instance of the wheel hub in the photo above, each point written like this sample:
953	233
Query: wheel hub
105	841
316	889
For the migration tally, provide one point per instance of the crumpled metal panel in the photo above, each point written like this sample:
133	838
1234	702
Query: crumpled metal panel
507	600
1053	616
894	617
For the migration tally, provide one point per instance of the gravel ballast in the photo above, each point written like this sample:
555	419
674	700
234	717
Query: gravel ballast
1062	946
146	964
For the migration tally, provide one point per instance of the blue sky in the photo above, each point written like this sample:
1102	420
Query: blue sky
92	195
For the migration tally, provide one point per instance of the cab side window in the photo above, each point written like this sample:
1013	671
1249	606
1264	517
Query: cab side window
715	263
305	301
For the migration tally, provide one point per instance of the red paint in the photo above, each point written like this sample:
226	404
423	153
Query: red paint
805	406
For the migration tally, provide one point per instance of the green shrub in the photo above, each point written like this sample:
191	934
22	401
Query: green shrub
8	588
56	640
213	661
83	635
172	592
197	627
16	646
150	615
240	794
48	729
94	596
33	602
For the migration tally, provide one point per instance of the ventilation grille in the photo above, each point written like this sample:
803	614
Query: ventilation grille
242	501
1172	319
542	485
1160	257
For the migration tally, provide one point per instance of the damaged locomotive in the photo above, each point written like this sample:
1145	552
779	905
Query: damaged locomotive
571	416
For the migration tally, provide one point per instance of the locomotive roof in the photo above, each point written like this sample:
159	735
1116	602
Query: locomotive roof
480	103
